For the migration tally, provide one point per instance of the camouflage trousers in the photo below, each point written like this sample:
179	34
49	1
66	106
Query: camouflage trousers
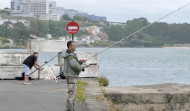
72	91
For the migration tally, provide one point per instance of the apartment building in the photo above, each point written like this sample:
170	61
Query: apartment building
40	9
21	8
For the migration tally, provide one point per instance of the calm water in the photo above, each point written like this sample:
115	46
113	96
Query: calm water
139	66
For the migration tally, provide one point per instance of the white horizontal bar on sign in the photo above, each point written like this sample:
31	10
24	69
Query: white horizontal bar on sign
72	27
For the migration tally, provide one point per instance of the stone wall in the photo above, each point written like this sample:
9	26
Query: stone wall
11	72
93	70
12	58
11	64
163	97
46	45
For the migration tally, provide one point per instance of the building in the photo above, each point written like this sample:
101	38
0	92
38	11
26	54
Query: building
52	4
40	9
48	36
6	9
13	21
71	13
57	10
21	8
31	8
54	17
10	43
46	10
97	18
82	14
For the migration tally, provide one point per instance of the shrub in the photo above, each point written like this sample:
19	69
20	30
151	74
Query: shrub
103	81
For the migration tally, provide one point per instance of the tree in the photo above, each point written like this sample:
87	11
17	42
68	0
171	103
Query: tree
77	18
115	32
66	17
157	35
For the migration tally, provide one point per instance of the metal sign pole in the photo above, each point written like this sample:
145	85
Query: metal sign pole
72	37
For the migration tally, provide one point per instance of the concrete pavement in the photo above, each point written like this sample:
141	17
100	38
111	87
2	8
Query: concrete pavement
42	95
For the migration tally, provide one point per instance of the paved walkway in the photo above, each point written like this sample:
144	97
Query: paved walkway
42	95
95	98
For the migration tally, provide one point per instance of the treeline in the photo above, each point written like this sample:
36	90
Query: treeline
156	35
20	32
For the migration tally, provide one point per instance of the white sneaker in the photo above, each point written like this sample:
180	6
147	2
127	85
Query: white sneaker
27	83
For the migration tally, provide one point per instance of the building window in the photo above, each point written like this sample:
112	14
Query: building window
18	7
12	5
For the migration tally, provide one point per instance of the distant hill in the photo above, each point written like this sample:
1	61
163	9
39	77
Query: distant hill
154	36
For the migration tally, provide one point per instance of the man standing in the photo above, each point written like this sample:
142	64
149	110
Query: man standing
28	63
72	69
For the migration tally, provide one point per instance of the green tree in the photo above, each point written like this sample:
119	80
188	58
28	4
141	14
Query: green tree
66	17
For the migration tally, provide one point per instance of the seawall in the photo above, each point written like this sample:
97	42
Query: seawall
163	97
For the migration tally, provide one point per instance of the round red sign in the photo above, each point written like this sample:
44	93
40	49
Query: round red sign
73	27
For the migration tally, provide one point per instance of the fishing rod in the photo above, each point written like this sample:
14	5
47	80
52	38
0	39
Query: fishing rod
46	62
139	31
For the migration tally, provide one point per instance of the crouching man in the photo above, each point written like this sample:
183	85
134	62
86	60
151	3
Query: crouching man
72	69
28	63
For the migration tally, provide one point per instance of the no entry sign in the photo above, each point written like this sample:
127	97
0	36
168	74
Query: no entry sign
73	27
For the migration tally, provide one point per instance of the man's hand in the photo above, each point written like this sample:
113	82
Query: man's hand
38	67
83	61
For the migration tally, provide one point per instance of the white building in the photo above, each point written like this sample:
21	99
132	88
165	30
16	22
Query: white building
57	10
48	36
21	8
40	9
54	17
52	4
46	10
10	43
65	38
71	13
23	21
31	8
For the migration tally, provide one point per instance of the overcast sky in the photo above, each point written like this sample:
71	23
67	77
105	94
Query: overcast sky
123	10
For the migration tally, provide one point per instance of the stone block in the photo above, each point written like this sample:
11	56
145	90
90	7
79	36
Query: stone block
12	58
10	72
46	45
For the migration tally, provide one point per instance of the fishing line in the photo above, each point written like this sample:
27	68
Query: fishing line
139	31
46	62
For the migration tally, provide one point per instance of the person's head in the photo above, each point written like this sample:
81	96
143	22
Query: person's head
35	54
71	46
